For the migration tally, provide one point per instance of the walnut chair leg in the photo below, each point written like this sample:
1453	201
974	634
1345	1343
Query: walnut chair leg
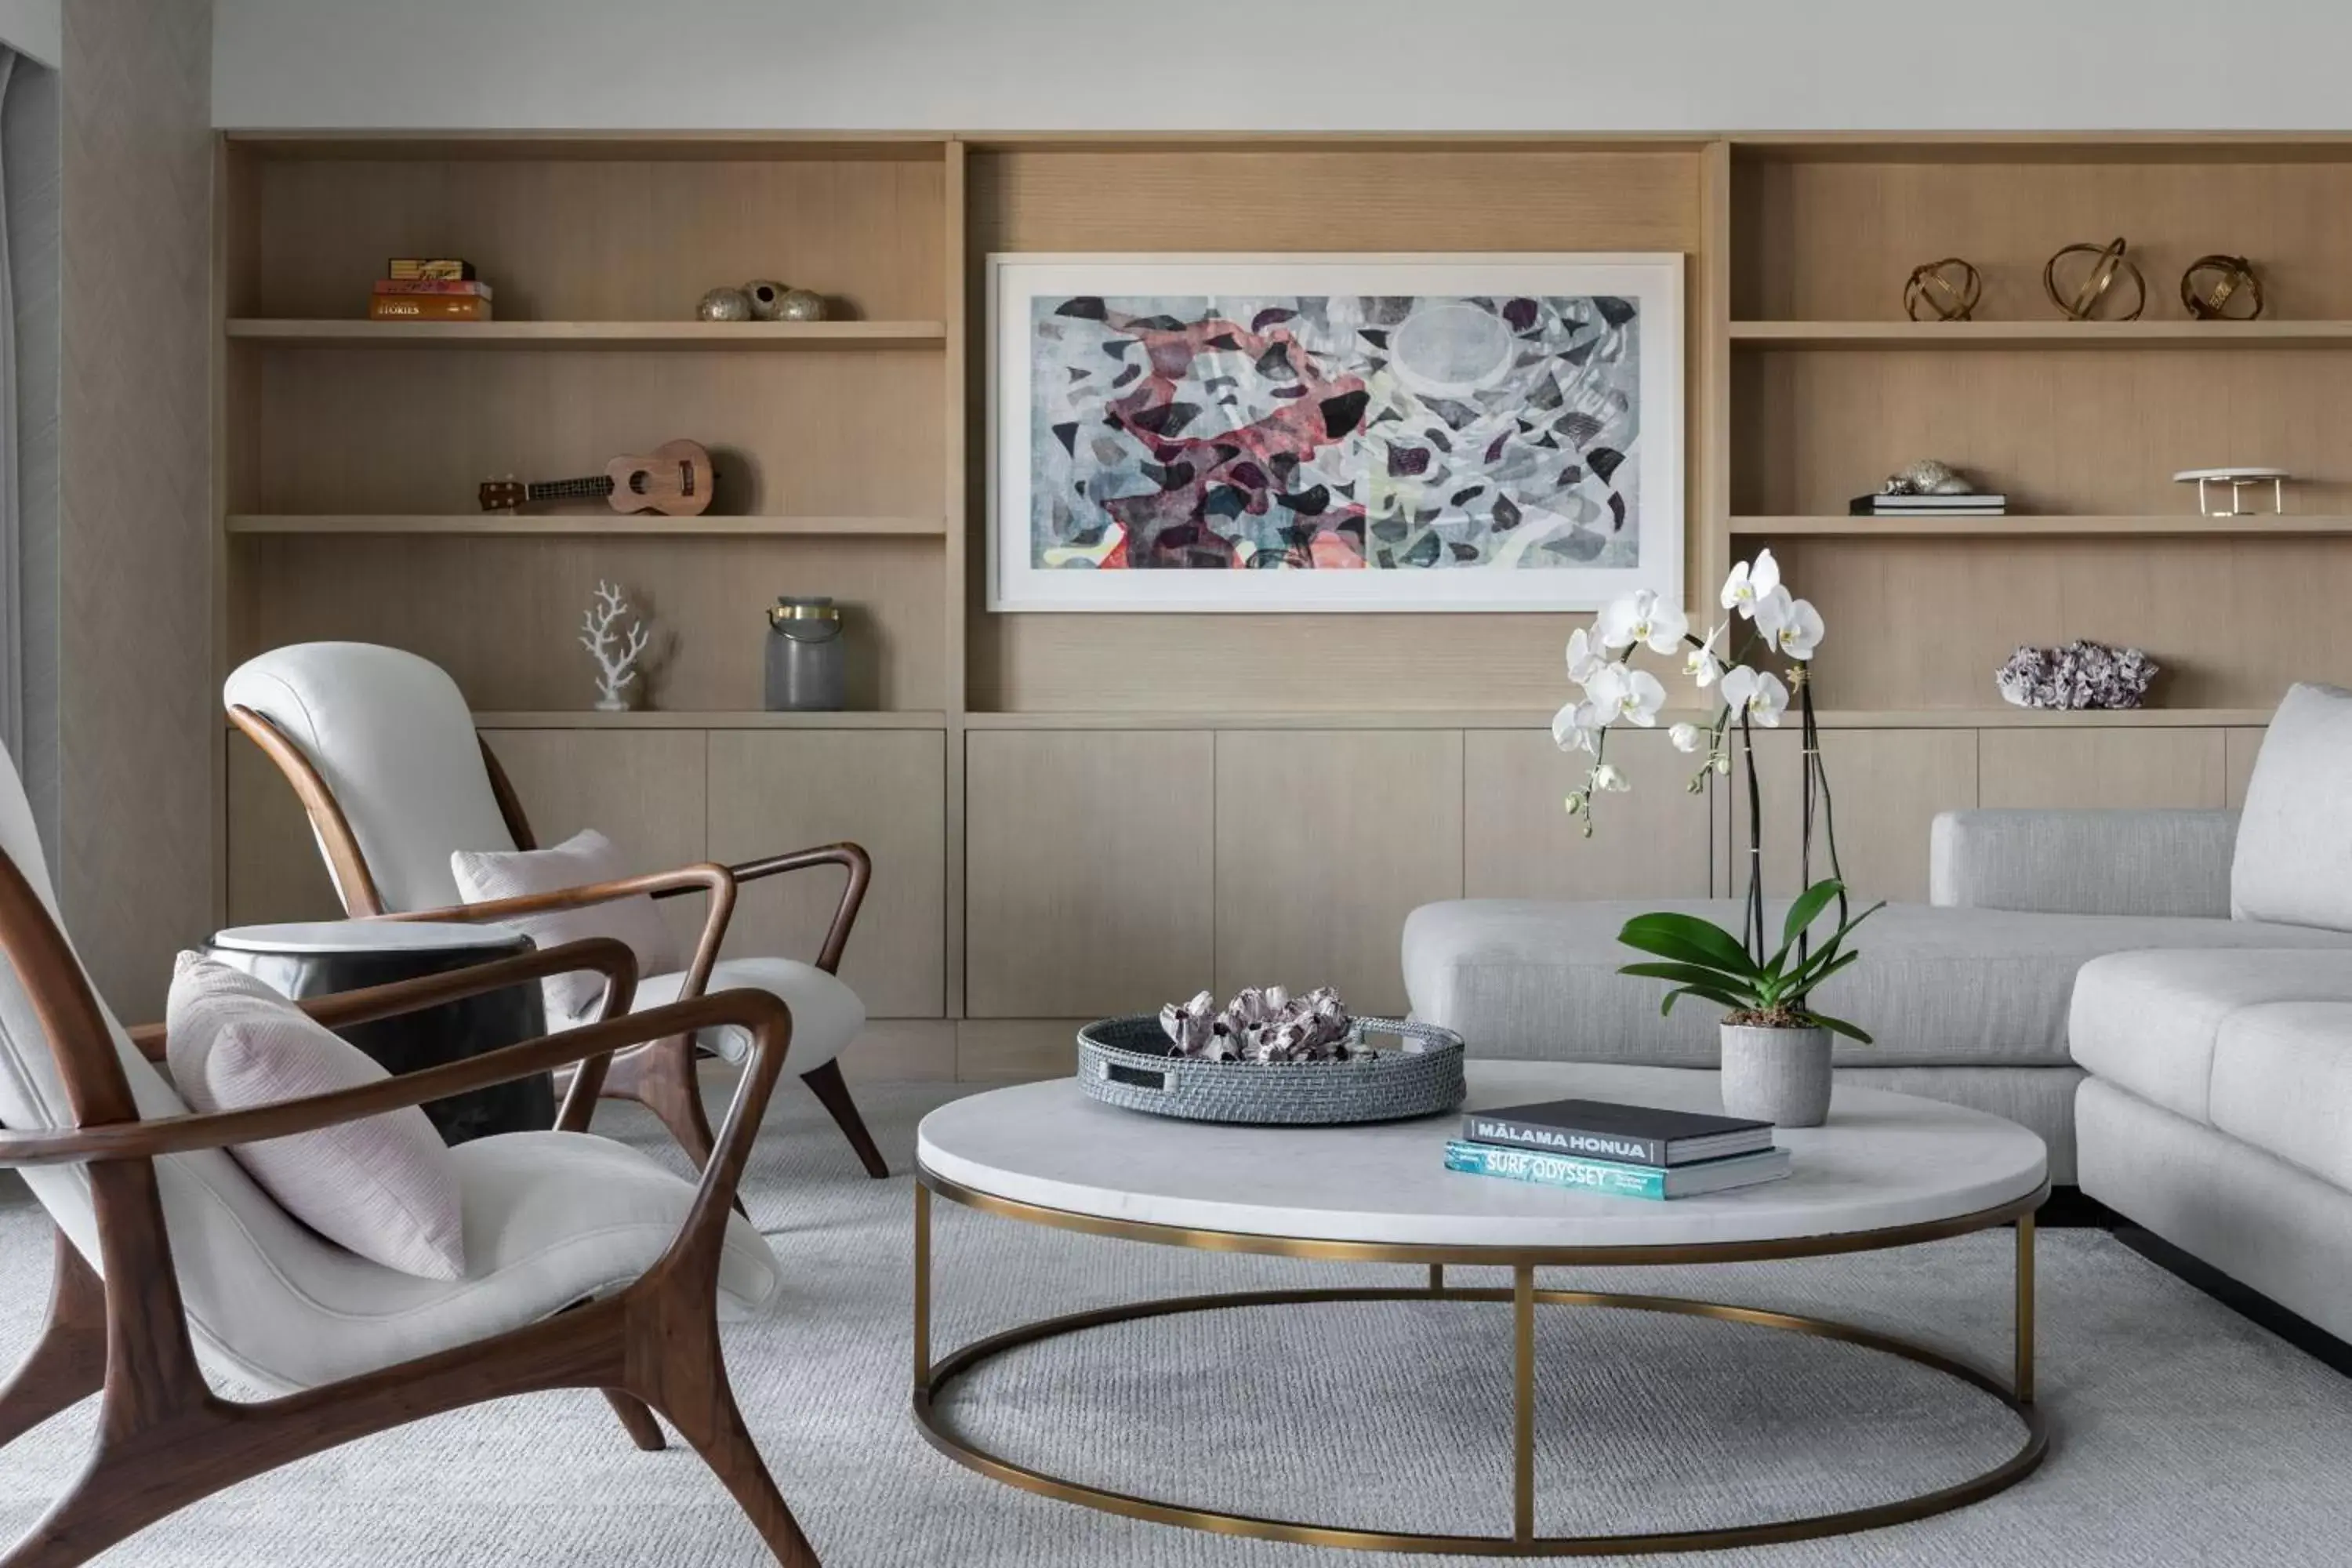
826	1082
637	1417
717	1432
68	1363
662	1078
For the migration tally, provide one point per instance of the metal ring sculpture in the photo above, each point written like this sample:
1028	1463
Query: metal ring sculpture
2221	289
1949	296
2108	263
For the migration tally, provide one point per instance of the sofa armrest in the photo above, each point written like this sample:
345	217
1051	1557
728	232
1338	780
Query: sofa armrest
2084	862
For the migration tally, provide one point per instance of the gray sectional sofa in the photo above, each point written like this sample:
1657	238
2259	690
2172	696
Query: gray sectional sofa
2166	996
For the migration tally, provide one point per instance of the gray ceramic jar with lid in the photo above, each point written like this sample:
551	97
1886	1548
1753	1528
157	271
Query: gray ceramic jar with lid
808	669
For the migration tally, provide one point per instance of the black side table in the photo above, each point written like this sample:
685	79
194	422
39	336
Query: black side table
321	957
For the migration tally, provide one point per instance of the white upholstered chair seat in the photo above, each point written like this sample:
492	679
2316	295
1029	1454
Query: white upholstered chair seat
827	1013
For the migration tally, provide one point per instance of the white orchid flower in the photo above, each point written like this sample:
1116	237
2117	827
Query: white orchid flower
1761	697
1606	778
1799	630
1642	618
1577	726
1575	804
1584	662
1632	696
1772	610
1750	583
1685	737
1702	664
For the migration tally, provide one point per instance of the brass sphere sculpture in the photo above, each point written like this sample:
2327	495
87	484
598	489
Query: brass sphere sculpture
1949	288
2096	287
2221	289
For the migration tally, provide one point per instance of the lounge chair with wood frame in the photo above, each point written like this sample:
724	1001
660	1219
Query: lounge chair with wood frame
382	748
587	1265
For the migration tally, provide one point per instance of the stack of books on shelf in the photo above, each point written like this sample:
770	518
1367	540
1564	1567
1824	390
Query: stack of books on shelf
1970	505
420	289
1623	1151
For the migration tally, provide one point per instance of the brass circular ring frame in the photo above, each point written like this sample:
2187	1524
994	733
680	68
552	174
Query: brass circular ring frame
2233	284
1946	297
932	1379
2108	263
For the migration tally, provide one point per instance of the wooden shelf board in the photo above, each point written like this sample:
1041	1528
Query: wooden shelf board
563	146
736	335
588	718
2021	526
2044	334
1997	717
585	525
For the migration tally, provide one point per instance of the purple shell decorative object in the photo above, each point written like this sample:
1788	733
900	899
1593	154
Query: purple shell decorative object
2080	675
1263	1025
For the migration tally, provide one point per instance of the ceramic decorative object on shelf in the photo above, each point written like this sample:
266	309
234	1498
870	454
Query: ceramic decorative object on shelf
2080	675
1776	1074
1927	477
807	666
725	305
801	305
767	296
616	655
2239	480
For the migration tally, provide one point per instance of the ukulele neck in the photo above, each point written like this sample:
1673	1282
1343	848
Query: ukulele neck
599	487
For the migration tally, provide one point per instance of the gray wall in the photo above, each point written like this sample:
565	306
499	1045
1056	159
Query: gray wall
140	738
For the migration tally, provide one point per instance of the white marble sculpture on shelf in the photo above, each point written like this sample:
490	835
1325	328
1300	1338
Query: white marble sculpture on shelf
616	655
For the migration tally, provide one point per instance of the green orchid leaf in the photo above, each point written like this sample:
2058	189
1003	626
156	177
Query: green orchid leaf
1689	974
1688	940
1720	1000
1804	911
1838	1026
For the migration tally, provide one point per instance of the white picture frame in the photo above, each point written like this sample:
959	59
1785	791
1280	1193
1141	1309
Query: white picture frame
1018	580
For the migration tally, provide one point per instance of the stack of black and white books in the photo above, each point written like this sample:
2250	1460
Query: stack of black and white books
1929	506
1623	1151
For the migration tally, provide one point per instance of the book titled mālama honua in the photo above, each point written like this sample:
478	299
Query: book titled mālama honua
1629	1134
1612	1178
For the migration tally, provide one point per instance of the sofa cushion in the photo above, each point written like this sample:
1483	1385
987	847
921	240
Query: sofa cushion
2294	863
1959	987
2150	1022
584	859
2283	1082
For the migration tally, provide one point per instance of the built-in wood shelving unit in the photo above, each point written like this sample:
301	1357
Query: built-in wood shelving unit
2045	334
583	525
664	719
2019	526
293	333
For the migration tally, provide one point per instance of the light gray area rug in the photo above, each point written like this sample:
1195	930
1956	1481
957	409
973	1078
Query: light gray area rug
2182	1432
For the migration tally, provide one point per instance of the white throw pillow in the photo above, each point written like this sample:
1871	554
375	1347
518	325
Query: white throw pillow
2294	860
383	1186
486	874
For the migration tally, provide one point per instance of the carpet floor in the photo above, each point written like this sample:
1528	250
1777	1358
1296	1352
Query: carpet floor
2181	1433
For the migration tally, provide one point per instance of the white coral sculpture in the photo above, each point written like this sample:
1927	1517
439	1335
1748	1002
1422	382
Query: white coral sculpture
616	655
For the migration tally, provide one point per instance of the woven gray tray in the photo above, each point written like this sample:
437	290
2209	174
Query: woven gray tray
1126	1062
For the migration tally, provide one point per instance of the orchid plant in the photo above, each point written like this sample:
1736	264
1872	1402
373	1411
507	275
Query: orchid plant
1762	626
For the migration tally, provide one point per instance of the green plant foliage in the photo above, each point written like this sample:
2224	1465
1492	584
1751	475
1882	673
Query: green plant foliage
1702	960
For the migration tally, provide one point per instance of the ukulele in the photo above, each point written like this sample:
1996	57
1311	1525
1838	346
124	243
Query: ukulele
672	479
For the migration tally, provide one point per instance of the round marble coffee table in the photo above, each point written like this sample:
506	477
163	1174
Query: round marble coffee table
1889	1170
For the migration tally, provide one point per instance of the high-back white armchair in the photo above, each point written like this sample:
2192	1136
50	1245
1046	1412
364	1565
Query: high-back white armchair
382	748
587	1264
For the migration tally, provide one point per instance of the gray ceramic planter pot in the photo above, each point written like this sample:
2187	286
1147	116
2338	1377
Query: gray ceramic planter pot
1781	1075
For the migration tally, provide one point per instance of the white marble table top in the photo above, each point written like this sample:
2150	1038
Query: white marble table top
1883	1160
366	936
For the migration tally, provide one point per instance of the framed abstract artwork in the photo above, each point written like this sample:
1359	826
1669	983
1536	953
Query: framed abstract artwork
1282	432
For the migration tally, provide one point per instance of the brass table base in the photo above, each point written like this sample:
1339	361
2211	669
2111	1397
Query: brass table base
2016	1395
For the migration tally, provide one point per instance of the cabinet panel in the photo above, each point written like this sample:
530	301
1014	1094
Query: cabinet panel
1089	871
1326	841
1886	786
643	789
2103	768
1518	841
275	870
2239	748
775	792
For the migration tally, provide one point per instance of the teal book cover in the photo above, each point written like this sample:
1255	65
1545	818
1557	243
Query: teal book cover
1557	1170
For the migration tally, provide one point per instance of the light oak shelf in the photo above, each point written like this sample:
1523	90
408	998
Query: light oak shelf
1997	718
2016	526
583	525
2169	335
656	719
737	335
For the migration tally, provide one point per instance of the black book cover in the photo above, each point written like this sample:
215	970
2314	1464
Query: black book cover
1601	1129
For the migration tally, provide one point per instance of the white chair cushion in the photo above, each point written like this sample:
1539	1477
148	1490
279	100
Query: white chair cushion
393	737
827	1013
382	1186
483	876
2294	863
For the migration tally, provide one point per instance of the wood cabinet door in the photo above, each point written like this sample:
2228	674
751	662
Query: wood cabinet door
2088	767
1089	871
1886	788
1520	842
275	870
772	791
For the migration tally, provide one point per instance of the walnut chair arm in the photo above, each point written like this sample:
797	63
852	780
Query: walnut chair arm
760	1014
852	857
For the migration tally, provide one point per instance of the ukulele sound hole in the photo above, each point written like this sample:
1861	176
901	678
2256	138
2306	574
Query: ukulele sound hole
637	483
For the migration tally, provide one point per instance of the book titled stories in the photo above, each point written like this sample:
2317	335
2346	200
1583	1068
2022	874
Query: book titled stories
1629	1134
1611	1178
